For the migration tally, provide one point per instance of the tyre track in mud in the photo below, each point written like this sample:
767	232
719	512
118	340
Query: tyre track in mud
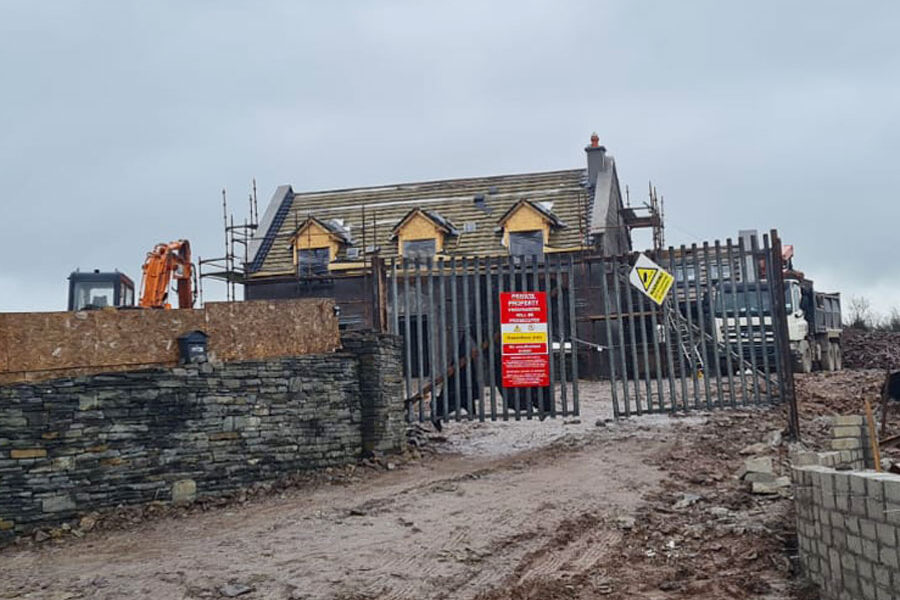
449	527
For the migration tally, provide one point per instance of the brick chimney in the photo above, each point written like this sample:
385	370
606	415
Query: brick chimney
596	159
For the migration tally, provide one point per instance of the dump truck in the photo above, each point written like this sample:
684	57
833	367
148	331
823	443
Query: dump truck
813	320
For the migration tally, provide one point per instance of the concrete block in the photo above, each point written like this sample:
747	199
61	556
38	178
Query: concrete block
867	529
870	550
882	576
846	444
888	557
838	520
846	432
851	581
867	589
854	544
887	534
834	560
875	484
857	484
801	459
864	568
892	514
758	464
842	502
884	594
858	506
875	509
846	420
760	477
841	482
892	488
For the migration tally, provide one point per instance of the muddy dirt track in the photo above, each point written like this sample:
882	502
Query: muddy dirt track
509	510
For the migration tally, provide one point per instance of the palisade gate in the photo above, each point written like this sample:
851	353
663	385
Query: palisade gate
716	339
450	315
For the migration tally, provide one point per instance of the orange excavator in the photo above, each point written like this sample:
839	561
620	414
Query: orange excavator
164	263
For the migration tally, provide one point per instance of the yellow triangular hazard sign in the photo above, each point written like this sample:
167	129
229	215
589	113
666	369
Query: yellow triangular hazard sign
646	276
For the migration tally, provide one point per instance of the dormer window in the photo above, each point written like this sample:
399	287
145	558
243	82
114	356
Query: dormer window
421	234
315	244
420	250
526	243
526	228
313	261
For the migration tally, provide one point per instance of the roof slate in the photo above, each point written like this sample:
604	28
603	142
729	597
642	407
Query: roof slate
453	199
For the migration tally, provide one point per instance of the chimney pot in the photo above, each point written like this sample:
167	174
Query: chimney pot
596	159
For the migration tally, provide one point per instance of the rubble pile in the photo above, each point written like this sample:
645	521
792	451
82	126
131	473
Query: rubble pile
870	349
722	526
839	392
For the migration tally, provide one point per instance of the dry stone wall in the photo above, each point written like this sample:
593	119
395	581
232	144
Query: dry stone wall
70	446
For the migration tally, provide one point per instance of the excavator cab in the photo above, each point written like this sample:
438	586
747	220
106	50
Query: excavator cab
96	290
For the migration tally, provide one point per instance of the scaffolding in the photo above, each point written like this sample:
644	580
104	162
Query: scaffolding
232	267
649	215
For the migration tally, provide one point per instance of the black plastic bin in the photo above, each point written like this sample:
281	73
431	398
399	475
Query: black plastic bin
192	347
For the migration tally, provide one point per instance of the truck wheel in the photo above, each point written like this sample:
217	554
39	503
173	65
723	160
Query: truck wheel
827	349
802	358
838	358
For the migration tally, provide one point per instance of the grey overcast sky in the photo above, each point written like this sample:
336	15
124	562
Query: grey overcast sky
121	121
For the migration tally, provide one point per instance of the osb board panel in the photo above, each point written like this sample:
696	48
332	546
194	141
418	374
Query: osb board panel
4	347
52	341
36	346
264	329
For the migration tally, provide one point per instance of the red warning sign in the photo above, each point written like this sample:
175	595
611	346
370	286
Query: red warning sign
525	343
526	370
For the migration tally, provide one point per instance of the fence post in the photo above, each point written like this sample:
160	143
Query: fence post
780	314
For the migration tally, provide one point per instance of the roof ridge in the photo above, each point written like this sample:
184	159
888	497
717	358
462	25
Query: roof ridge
389	186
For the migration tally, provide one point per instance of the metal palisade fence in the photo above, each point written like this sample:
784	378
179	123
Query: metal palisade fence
448	312
717	339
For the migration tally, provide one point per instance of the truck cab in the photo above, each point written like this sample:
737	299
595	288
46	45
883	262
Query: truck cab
797	325
813	321
814	325
95	290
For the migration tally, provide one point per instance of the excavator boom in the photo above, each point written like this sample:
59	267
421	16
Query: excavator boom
164	263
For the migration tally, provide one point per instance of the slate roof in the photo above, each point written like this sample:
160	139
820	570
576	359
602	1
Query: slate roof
560	193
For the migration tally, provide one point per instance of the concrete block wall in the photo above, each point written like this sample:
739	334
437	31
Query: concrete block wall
848	518
71	446
848	526
850	446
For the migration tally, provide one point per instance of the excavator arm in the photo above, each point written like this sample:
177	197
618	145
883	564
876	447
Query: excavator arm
163	264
